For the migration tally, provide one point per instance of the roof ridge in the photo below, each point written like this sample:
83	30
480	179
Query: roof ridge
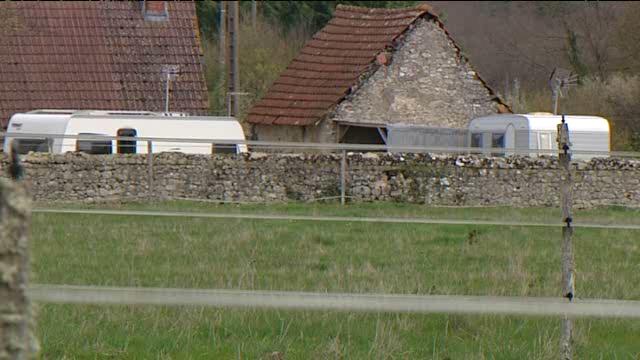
423	8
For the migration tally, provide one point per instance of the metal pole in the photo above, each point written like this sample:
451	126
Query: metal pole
229	95
555	102
343	171
222	32
170	71
568	277
254	14
234	75
166	94
150	167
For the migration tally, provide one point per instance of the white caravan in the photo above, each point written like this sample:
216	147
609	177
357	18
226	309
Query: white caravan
537	132
47	124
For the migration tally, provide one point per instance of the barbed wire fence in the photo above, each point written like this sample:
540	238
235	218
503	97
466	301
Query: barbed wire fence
566	307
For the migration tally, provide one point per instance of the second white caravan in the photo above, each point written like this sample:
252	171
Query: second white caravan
535	134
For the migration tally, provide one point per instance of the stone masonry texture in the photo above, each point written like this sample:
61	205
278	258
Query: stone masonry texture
427	83
17	339
261	177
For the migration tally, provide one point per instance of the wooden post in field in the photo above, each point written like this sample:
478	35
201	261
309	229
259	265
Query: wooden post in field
568	279
343	182
17	339
150	167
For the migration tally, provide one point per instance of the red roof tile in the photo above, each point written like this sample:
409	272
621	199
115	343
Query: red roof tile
332	62
98	55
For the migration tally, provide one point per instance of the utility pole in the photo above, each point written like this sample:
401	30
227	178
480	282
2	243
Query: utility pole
254	14
233	74
222	32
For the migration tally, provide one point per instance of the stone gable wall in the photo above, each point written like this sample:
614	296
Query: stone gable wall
260	177
426	83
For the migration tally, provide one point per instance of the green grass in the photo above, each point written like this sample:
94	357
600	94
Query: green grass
329	257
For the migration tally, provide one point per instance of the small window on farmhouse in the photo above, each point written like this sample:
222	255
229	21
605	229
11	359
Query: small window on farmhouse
224	149
127	146
476	140
94	146
24	146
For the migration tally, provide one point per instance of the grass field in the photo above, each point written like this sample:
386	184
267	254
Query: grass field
329	257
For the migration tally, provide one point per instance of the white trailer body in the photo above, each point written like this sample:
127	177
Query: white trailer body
538	132
126	124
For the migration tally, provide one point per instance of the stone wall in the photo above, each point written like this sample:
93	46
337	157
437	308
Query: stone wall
260	177
323	132
427	83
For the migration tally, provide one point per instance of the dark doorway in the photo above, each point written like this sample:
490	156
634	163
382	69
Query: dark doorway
363	135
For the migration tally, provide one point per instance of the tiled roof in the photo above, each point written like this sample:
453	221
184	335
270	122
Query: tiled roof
97	55
332	62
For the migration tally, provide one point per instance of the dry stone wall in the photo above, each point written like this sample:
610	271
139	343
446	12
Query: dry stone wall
260	177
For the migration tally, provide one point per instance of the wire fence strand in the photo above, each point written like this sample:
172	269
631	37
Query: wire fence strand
328	218
536	306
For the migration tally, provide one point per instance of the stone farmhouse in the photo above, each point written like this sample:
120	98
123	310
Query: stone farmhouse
104	55
366	69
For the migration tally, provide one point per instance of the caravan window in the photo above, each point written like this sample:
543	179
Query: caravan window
93	146
545	141
497	141
126	146
224	149
476	140
23	146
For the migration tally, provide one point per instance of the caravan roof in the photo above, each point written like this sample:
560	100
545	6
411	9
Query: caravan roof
543	122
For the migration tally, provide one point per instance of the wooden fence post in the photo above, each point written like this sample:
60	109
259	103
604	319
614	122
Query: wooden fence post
568	279
343	182
150	167
17	338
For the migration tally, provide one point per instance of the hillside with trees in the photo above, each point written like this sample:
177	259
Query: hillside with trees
515	46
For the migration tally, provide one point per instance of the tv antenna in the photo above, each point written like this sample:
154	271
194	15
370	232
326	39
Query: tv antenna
169	72
559	82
